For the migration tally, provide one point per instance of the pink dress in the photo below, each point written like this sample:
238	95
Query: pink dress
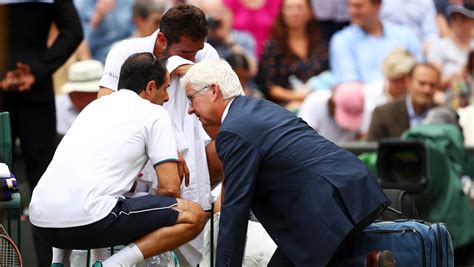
256	21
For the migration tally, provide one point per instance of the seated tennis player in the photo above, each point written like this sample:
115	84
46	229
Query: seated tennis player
79	202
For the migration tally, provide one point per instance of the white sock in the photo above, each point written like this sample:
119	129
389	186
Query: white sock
99	254
128	256
62	256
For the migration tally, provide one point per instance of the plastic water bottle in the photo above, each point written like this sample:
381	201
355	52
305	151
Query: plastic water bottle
295	83
162	260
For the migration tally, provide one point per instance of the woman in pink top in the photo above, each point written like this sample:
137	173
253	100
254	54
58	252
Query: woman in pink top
254	16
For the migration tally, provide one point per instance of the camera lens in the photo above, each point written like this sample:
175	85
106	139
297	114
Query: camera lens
213	22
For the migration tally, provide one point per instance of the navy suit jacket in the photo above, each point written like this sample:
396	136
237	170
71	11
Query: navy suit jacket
307	192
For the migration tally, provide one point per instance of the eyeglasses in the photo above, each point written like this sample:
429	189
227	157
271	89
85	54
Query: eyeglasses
191	96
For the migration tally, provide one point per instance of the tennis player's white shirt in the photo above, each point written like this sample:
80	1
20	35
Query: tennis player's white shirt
191	137
99	158
189	133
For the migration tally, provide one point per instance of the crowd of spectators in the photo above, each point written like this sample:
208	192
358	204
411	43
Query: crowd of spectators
320	45
285	50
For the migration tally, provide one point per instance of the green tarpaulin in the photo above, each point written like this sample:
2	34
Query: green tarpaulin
444	199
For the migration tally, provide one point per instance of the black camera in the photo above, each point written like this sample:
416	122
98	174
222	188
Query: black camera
213	22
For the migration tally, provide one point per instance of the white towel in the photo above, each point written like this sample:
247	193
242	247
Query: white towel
4	170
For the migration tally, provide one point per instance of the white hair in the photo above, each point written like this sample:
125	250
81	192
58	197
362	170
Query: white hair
214	71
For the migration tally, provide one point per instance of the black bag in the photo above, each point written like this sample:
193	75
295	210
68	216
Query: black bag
402	207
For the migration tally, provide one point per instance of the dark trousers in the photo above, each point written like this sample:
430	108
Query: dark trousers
279	260
34	123
339	259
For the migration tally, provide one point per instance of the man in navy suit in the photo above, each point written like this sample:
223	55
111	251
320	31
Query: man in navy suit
310	195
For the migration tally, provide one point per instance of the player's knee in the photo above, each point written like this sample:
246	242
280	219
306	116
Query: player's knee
198	217
193	215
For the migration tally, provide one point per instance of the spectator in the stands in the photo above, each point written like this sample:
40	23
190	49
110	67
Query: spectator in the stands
395	69
441	19
392	119
80	89
104	22
294	53
254	16
332	15
450	54
224	38
357	52
336	116
408	13
460	91
240	65
147	16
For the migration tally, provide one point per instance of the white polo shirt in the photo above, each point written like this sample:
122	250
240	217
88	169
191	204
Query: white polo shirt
99	158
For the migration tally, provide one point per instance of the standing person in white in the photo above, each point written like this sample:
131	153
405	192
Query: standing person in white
96	164
183	30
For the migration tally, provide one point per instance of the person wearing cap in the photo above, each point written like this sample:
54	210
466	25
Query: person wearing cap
78	92
336	116
450	53
392	119
309	194
395	69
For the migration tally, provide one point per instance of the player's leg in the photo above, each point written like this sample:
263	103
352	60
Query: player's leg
188	224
